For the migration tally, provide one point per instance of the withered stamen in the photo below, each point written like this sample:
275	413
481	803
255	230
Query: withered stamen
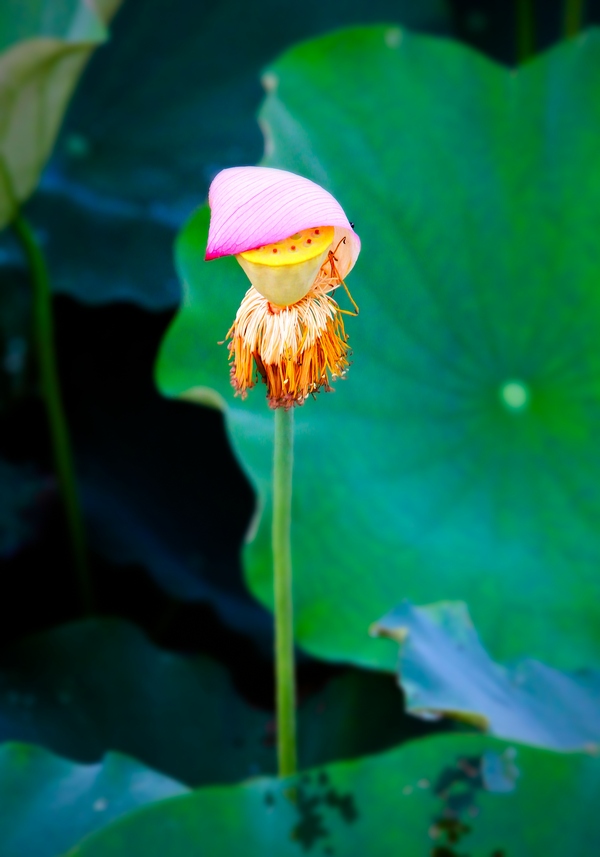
296	349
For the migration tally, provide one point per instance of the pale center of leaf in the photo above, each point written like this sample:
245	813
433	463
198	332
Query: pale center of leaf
514	395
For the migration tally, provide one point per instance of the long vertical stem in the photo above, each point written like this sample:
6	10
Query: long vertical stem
282	573
573	17
43	331
525	30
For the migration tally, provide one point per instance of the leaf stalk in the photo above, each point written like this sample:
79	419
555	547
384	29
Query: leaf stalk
43	335
525	30
574	11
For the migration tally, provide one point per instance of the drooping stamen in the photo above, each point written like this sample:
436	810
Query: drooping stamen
297	349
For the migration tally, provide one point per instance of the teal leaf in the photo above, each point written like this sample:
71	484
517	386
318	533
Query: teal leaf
49	804
85	689
170	101
91	687
443	668
458	458
428	797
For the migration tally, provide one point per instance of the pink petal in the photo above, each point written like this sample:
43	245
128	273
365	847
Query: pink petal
253	206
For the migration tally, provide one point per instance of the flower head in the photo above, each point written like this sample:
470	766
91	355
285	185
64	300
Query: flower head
296	245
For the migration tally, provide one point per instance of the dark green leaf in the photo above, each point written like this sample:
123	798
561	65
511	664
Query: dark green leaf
87	688
170	101
84	689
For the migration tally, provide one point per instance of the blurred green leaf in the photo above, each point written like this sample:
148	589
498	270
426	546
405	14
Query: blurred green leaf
479	796
193	80
44	48
444	669
87	688
458	459
170	101
356	714
50	804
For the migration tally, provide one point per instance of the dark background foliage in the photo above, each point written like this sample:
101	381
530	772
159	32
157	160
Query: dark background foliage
173	663
156	115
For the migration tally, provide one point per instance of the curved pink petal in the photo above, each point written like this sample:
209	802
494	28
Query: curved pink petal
253	206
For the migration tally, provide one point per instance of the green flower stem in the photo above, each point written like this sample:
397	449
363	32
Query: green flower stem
43	333
525	30
282	573
573	17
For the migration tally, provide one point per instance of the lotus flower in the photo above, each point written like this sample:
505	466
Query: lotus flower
296	245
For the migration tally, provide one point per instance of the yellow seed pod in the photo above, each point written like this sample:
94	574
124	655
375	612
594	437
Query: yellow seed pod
297	248
284	272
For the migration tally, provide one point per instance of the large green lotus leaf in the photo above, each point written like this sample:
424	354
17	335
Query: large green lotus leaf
44	47
82	690
49	804
458	459
444	669
429	797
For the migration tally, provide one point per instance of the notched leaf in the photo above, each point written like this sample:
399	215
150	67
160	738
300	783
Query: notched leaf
444	669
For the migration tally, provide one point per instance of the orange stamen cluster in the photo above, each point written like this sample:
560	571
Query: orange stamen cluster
296	349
